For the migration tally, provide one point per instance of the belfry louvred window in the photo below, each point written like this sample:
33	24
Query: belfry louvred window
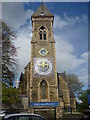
42	33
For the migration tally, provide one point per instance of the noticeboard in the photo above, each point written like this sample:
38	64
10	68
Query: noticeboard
44	104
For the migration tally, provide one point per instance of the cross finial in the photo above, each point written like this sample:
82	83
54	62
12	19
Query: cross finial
42	12
42	1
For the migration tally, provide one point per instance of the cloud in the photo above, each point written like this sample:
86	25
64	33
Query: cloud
68	33
89	54
59	22
70	62
71	30
89	81
66	60
0	10
84	78
71	20
85	56
15	17
23	42
14	14
68	21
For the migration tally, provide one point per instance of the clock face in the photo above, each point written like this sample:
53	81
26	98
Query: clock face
43	67
43	52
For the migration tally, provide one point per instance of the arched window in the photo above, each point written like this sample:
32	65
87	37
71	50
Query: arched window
42	33
43	90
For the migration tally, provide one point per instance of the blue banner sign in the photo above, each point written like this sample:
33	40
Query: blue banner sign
44	104
88	98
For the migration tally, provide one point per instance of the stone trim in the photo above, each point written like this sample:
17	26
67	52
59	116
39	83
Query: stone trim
55	67
31	72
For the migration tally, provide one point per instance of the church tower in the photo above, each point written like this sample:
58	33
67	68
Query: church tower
43	73
44	91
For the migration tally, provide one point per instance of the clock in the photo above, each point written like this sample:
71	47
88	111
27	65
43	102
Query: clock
43	52
43	66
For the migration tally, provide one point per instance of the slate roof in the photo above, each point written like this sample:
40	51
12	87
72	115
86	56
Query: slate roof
63	75
27	65
42	11
59	89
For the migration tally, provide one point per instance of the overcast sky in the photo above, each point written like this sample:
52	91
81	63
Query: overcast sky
70	33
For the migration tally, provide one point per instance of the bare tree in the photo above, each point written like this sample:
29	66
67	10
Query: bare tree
8	53
75	84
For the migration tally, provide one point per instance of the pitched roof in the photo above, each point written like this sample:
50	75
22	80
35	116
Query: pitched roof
63	75
59	89
21	78
42	11
27	65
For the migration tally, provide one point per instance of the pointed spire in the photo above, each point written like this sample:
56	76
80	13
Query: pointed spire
42	11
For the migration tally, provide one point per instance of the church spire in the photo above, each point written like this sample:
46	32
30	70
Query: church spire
42	11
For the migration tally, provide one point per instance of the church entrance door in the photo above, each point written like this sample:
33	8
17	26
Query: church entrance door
49	113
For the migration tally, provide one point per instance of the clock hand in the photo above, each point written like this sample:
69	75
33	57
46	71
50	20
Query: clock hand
43	64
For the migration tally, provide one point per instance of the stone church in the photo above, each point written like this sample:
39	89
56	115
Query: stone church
45	89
